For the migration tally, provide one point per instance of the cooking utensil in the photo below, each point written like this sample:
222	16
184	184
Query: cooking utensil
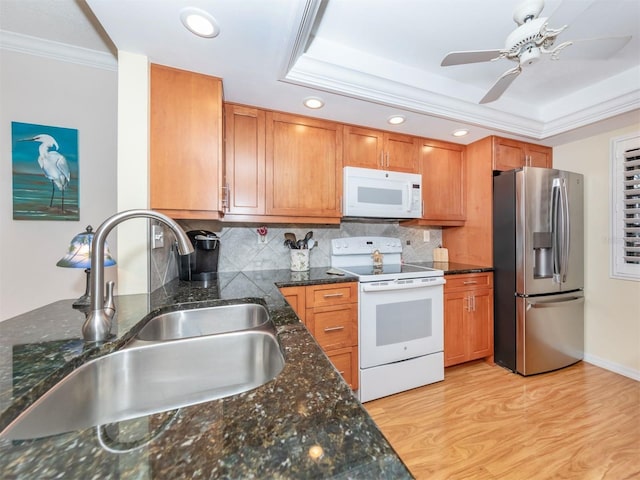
300	244
290	236
311	243
307	237
289	243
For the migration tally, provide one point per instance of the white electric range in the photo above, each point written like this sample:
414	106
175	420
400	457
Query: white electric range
400	320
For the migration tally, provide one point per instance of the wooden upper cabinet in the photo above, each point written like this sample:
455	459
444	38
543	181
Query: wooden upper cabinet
185	143
303	166
539	156
368	148
509	154
244	188
443	182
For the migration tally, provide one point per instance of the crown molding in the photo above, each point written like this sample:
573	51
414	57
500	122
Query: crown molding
613	97
63	52
311	72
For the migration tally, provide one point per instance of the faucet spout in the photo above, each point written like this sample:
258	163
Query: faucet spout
98	324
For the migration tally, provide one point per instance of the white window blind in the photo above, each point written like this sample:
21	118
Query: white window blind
625	215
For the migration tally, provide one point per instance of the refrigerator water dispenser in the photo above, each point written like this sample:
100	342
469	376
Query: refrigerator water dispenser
542	255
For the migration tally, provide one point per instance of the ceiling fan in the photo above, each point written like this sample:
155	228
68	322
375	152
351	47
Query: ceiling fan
532	39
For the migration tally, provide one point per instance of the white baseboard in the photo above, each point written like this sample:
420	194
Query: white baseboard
612	366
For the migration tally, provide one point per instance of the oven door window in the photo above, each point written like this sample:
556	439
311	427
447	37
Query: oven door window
416	322
398	325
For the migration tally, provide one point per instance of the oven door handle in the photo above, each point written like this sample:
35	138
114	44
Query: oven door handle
382	286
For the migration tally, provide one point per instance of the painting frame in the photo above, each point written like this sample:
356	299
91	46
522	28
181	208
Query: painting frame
45	172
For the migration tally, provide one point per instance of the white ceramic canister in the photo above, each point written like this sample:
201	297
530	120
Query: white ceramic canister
299	260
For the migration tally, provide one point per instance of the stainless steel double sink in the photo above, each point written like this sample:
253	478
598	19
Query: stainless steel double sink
179	358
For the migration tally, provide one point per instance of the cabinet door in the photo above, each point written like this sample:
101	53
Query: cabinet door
480	324
401	153
508	154
539	156
244	160
296	297
443	182
303	167
363	147
455	335
185	143
346	362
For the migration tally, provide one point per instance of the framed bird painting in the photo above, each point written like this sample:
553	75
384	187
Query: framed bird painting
45	172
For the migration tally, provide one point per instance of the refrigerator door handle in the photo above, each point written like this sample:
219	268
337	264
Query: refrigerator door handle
564	203
555	229
560	229
533	304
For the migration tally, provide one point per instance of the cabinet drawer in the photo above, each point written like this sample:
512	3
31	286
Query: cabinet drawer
468	280
333	294
346	362
335	326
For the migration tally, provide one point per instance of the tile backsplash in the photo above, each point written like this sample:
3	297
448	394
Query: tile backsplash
240	249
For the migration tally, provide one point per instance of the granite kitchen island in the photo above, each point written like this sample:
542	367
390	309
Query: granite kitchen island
306	423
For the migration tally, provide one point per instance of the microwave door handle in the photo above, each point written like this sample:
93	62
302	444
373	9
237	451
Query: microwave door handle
407	206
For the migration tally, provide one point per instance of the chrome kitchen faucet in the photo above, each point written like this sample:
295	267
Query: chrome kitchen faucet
98	324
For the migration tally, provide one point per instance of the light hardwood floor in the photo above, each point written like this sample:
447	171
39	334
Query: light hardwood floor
484	422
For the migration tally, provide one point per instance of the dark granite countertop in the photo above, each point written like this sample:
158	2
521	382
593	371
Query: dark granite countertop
453	268
306	423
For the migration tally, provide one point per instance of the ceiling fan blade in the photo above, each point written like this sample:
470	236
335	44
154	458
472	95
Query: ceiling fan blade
567	12
593	48
471	56
501	85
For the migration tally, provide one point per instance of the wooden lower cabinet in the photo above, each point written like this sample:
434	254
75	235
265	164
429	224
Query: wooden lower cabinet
468	318
296	296
346	362
330	313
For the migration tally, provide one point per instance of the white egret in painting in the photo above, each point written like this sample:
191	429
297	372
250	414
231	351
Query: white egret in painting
53	164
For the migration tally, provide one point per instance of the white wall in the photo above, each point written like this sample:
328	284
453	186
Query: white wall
35	89
612	306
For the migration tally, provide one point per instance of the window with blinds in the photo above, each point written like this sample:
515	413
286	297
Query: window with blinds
625	224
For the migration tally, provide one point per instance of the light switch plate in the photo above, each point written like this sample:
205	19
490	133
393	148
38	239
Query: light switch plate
157	236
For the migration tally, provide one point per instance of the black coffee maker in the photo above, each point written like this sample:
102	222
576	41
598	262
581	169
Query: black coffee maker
202	264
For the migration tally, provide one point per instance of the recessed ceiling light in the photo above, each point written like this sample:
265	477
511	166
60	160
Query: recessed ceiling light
199	22
461	132
313	102
396	119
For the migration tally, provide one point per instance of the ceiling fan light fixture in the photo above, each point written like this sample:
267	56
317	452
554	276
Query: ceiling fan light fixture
199	22
396	119
313	103
460	132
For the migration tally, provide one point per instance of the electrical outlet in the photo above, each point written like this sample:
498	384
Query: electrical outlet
426	235
157	236
262	239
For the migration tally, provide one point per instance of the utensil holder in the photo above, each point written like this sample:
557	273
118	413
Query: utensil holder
299	260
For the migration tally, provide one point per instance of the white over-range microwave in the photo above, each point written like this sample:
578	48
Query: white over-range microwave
381	194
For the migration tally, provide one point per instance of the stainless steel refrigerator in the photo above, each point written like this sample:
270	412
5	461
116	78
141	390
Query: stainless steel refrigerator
538	257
